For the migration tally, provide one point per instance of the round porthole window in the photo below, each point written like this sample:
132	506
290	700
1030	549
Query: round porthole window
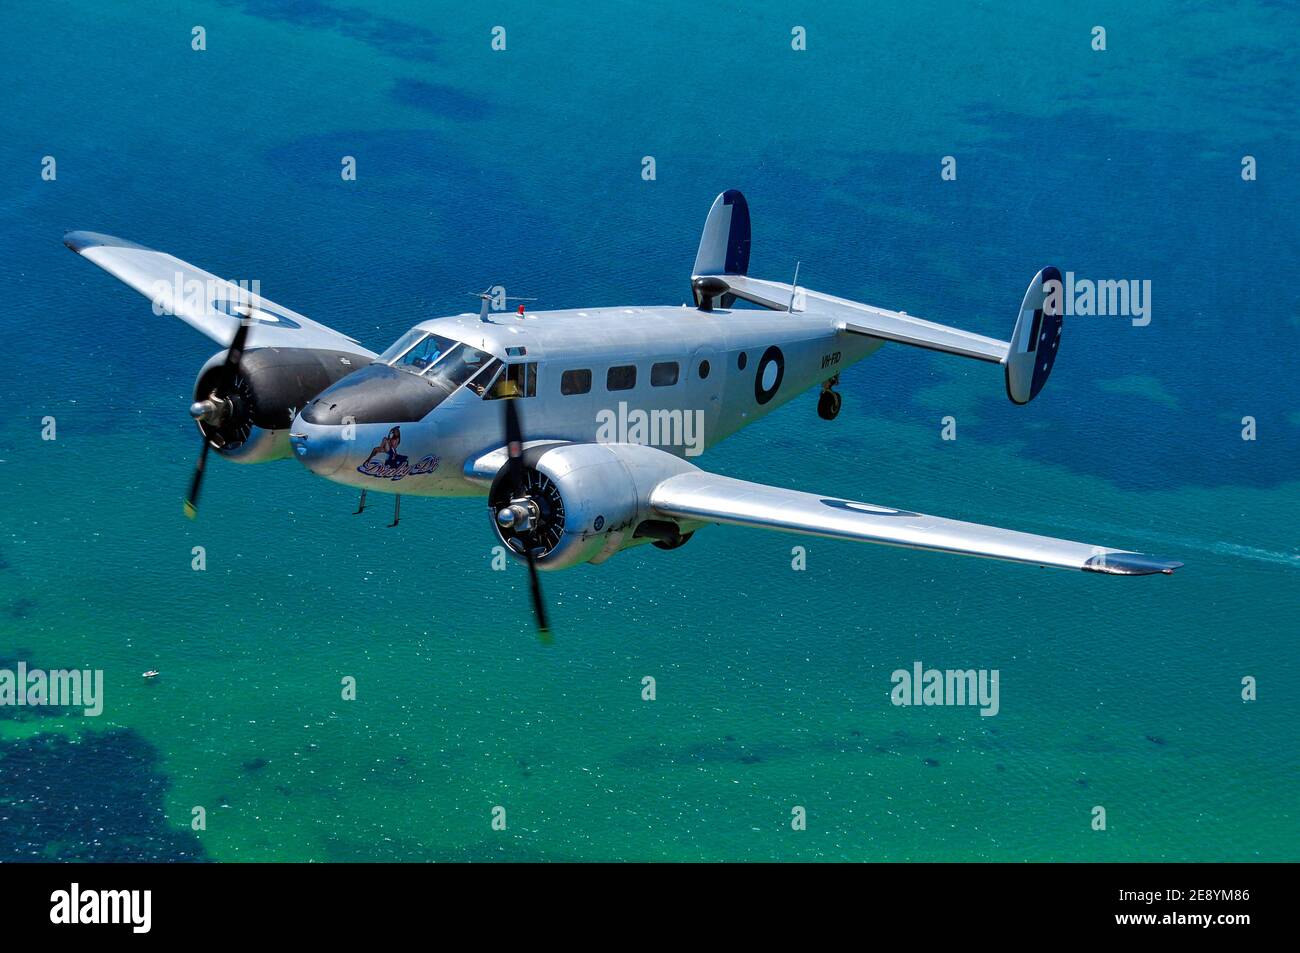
704	369
741	360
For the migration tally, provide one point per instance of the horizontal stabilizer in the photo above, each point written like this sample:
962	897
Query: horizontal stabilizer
857	318
1027	358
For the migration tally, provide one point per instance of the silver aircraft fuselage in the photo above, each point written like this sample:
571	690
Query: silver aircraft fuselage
733	367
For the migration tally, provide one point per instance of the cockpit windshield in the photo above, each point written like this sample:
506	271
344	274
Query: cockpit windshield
455	365
427	352
443	362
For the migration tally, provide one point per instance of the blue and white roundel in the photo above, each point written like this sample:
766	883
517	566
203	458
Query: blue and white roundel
768	374
261	314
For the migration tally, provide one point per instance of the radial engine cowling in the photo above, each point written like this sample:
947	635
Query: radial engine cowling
583	502
246	417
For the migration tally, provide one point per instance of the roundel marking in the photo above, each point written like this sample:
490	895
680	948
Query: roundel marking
260	314
870	508
767	379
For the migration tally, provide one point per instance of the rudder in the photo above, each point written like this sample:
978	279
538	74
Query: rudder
1036	339
724	244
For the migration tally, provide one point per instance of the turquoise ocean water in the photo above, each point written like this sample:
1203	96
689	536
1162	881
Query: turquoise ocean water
524	167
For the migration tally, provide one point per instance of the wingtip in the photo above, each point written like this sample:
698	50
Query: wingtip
1131	564
80	240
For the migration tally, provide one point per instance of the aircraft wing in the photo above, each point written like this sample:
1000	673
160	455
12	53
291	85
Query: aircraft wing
708	498
210	304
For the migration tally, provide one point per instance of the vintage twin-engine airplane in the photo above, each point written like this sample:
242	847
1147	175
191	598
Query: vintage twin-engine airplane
616	401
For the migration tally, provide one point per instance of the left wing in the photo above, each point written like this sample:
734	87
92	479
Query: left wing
205	302
708	498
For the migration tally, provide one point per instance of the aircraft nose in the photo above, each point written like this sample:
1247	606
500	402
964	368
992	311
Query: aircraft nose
322	449
361	412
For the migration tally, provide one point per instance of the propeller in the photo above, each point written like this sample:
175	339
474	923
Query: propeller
516	471
213	410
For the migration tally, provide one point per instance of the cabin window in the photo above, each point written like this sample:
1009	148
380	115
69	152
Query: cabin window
663	374
621	378
704	369
575	382
519	380
741	360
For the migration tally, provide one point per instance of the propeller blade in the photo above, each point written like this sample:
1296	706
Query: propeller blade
516	470
514	447
192	500
539	606
231	368
236	352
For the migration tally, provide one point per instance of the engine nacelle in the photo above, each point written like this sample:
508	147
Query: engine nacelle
583	502
247	419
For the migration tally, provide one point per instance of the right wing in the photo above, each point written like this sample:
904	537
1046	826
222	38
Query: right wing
210	304
708	498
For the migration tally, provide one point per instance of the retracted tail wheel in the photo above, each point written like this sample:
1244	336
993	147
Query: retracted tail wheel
828	405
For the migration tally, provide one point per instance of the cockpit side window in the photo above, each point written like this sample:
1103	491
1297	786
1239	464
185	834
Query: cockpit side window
400	346
519	380
482	382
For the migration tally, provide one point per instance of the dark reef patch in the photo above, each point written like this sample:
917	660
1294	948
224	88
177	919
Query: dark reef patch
10	661
26	712
94	797
388	35
20	608
440	100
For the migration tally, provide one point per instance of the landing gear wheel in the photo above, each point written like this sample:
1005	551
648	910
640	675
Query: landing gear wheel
828	405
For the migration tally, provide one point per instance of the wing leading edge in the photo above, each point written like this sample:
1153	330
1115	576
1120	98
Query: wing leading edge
709	498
